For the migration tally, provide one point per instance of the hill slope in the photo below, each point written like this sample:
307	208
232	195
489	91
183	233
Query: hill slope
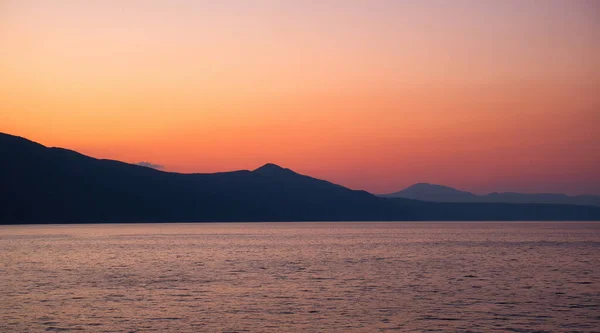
54	185
440	193
431	192
58	185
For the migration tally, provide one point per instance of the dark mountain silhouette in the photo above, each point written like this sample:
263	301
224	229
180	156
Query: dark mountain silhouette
430	192
440	193
55	185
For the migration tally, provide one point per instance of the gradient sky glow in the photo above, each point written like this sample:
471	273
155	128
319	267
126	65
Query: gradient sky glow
376	95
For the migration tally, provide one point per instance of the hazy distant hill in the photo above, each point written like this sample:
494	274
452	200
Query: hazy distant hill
440	193
54	185
429	192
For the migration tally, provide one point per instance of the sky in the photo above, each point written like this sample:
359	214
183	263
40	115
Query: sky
376	95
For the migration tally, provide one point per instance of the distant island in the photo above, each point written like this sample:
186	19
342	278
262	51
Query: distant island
56	185
441	193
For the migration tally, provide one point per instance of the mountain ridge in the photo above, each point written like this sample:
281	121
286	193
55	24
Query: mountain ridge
56	185
442	193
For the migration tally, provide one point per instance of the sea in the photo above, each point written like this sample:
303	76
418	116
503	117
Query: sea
301	277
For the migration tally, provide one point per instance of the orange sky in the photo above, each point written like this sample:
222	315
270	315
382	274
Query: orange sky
376	95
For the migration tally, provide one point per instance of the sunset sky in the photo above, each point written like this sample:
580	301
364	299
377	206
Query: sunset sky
376	95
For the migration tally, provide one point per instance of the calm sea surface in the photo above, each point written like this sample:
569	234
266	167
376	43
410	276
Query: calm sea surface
293	277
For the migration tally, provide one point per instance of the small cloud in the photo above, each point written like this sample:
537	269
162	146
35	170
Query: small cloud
150	165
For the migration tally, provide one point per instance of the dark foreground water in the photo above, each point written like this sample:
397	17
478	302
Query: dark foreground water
292	277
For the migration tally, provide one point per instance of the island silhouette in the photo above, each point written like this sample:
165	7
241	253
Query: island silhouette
441	193
55	185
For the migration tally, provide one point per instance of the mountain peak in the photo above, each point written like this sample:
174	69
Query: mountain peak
421	185
433	192
271	168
